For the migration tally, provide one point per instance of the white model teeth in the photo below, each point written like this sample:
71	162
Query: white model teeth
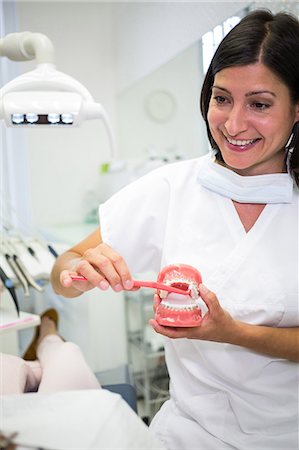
239	142
179	307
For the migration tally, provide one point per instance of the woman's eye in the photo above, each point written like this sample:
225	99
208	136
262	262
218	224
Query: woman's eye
260	106
219	99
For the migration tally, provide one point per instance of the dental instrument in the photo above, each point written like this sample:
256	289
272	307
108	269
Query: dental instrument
183	290
9	227
52	250
20	268
8	283
18	273
27	274
27	246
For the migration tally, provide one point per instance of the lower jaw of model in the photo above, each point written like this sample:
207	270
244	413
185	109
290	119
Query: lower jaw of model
179	310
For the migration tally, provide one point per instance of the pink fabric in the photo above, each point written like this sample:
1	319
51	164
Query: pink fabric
17	376
60	367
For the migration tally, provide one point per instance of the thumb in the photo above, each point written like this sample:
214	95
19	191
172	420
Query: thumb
65	278
209	298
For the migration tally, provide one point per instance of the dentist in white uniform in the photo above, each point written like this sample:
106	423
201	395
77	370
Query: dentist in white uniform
232	214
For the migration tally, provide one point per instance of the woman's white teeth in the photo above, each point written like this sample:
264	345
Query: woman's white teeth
239	142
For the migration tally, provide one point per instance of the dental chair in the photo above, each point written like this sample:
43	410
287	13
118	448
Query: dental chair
119	381
127	392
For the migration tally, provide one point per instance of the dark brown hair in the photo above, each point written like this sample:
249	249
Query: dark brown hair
272	39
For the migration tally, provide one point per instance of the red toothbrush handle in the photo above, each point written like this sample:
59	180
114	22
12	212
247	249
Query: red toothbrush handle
78	278
149	284
161	286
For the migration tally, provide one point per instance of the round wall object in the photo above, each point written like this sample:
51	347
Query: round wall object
160	106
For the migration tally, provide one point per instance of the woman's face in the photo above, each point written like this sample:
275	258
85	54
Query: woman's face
251	117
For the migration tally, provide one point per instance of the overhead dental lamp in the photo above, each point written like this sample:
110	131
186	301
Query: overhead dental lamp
44	97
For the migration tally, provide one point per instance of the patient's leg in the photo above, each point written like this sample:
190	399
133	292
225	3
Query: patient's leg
63	364
18	376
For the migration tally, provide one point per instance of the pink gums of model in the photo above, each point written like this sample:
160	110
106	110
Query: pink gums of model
176	310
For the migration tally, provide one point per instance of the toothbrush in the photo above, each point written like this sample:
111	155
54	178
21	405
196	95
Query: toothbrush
148	284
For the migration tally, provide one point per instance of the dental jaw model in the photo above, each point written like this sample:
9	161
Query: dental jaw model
179	310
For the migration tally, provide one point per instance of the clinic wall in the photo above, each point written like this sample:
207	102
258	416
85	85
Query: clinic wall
152	33
63	164
182	134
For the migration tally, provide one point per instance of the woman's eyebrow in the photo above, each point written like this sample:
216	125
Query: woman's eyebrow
262	91
248	94
221	88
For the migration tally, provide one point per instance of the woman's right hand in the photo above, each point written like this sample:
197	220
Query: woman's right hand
100	264
102	267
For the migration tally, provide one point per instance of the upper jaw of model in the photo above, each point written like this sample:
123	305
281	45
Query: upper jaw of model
185	284
179	309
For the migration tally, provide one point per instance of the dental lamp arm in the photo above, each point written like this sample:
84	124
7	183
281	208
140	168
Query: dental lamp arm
26	46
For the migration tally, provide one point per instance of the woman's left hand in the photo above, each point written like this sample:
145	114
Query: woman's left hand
217	324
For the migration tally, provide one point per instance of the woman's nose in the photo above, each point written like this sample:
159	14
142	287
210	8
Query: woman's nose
236	122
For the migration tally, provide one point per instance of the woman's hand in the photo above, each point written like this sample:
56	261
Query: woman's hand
217	325
100	264
102	267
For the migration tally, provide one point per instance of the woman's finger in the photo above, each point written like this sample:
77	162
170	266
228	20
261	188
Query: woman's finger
67	281
65	278
119	265
104	261
209	298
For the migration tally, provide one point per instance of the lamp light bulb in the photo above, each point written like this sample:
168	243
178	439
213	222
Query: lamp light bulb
31	117
17	118
53	118
67	118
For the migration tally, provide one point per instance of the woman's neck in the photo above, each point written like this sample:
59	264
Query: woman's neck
248	213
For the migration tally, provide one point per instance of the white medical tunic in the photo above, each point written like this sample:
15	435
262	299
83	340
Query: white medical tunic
222	396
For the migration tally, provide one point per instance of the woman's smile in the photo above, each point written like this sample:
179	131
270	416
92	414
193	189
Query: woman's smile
240	145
